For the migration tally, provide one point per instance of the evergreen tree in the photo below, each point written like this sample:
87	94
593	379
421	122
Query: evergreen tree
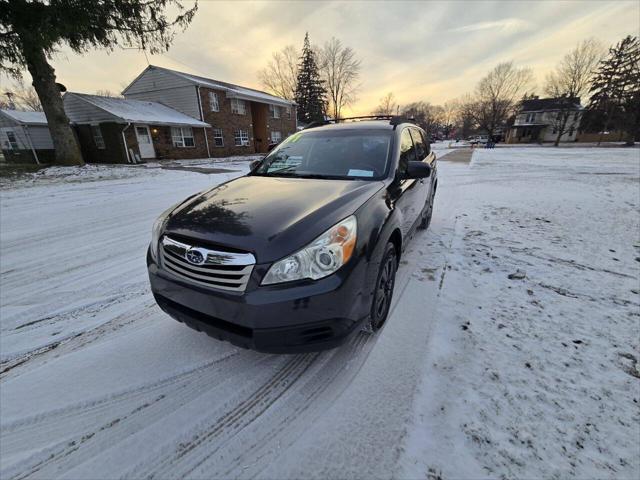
615	91
31	31
310	91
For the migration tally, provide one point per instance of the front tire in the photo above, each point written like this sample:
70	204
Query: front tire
383	292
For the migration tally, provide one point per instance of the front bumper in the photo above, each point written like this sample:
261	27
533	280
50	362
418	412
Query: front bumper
287	318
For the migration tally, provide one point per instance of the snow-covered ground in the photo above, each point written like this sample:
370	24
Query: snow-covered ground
475	375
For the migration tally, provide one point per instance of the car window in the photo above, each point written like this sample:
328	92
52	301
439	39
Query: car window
407	152
343	154
426	141
418	141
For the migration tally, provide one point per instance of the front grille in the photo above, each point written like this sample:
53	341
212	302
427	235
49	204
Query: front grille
213	268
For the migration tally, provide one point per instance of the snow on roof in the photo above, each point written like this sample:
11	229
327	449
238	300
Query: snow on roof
140	111
26	118
231	89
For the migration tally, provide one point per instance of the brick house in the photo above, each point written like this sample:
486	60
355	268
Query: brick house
25	137
243	120
117	130
535	121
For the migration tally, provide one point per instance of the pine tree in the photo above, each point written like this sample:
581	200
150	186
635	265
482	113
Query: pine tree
310	91
31	32
615	91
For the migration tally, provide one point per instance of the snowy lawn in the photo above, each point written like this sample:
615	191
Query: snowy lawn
534	376
475	375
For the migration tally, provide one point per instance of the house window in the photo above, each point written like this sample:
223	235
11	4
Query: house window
13	142
571	130
238	106
182	137
289	113
214	104
218	140
275	111
242	138
276	137
97	136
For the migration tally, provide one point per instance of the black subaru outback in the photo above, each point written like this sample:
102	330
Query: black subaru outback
302	252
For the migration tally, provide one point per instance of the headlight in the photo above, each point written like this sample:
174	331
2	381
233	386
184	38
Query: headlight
158	228
156	231
320	258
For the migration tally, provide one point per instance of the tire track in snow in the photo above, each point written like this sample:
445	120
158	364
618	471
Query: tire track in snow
278	428
252	411
248	408
88	428
324	378
138	314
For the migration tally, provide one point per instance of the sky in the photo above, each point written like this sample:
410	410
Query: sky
419	50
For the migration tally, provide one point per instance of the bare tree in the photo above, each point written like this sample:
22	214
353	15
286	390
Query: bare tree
388	105
466	116
340	71
105	92
571	80
7	101
26	96
496	96
424	114
20	96
281	73
450	110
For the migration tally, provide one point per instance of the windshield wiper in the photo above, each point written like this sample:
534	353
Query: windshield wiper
324	177
280	170
287	172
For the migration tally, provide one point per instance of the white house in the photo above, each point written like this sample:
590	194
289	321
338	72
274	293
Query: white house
537	121
24	137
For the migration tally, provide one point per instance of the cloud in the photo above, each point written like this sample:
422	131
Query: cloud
431	51
507	25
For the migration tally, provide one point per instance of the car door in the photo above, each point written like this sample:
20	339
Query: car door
405	191
422	153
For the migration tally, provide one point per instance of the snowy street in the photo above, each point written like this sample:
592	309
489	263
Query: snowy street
511	349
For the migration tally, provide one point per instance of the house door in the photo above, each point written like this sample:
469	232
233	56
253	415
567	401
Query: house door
144	142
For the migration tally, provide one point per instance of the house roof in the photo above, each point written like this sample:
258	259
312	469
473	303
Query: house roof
232	90
25	118
540	104
140	111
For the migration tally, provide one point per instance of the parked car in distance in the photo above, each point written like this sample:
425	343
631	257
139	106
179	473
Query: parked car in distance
478	139
302	252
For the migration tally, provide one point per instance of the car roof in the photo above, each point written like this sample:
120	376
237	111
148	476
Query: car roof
362	125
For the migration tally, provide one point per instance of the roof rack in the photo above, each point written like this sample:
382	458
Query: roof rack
365	117
394	120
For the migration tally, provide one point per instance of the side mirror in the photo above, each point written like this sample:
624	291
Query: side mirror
255	164
418	170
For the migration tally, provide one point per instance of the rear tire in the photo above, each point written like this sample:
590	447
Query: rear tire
383	293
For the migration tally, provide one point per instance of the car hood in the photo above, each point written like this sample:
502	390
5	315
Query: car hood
270	217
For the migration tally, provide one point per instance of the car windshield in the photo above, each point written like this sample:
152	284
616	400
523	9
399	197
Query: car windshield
334	154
